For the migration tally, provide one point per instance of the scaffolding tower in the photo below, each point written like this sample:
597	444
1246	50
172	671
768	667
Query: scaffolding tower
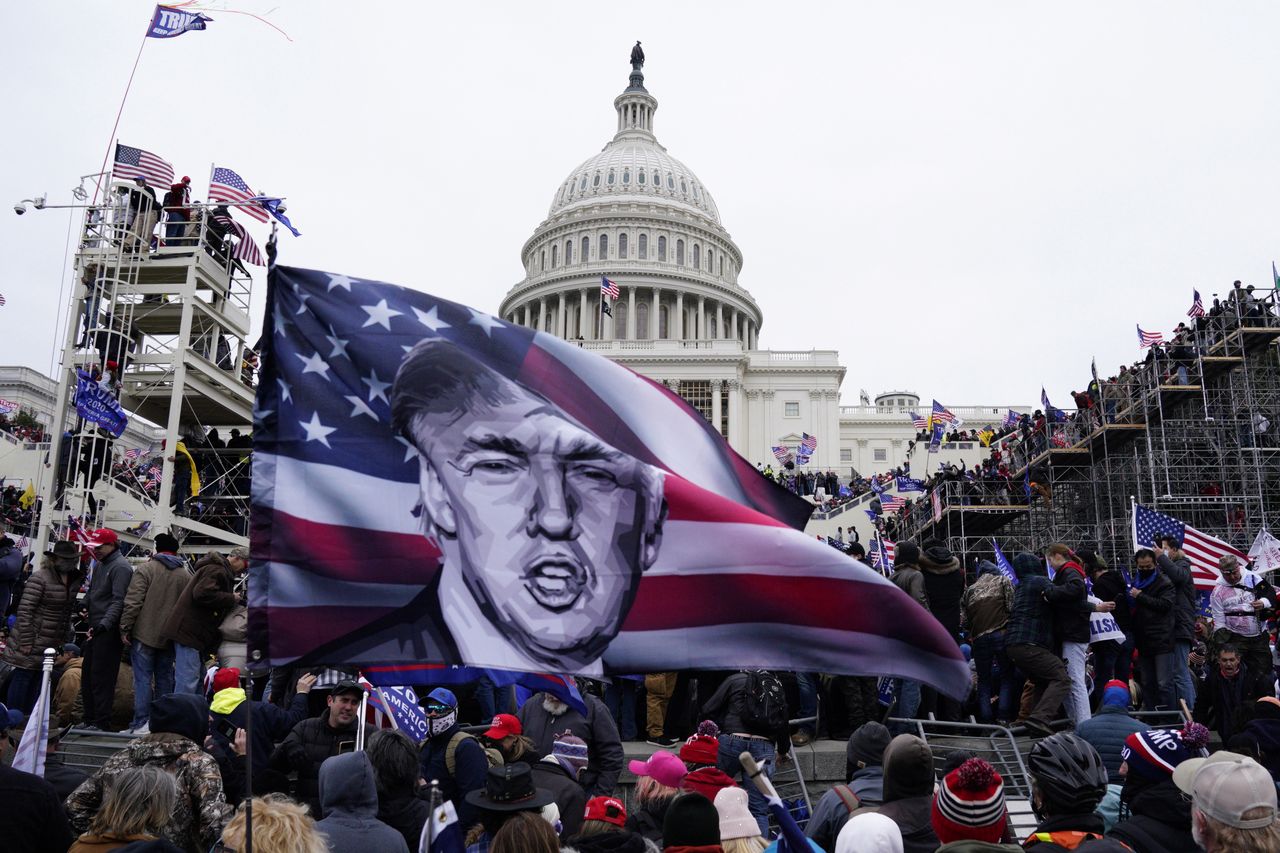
161	322
1191	432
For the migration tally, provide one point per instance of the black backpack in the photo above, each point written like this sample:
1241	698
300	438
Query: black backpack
764	708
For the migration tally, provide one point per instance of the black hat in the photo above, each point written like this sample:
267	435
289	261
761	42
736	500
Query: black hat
907	552
510	788
692	821
64	549
346	685
166	542
866	745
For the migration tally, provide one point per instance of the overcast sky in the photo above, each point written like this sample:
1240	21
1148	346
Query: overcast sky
966	200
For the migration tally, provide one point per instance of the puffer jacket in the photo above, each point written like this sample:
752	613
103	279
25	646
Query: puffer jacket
203	604
105	598
1153	616
306	747
201	809
44	613
988	602
349	802
1185	605
1160	821
1106	732
154	591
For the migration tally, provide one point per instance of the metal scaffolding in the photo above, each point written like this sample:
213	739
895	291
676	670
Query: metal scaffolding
161	323
1190	432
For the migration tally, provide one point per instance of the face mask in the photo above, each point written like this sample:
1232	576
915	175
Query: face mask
441	718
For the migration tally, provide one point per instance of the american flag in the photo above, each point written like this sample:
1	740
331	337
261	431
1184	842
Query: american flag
941	414
1146	339
892	503
881	554
343	571
782	454
246	249
1197	306
133	453
226	185
609	288
1059	439
135	163
1202	549
808	443
919	421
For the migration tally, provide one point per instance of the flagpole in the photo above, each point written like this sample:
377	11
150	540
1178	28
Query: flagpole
112	138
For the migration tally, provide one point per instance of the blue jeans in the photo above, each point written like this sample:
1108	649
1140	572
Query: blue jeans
188	673
808	684
24	689
988	654
731	746
149	663
1183	682
620	699
493	700
908	693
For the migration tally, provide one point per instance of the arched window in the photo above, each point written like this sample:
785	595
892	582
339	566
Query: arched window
626	176
697	256
643	247
683	187
679	254
663	322
642	321
586	249
662	248
547	321
620	320
542	260
657	179
711	260
595	182
568	252
711	326
611	177
582	185
603	254
671	182
722	265
622	246
555	256
640	176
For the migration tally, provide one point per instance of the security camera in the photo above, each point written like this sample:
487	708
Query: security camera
19	209
38	202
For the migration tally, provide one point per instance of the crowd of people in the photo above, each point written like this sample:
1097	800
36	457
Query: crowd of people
545	775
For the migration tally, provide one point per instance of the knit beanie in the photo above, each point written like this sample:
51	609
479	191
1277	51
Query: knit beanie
692	820
1154	754
969	804
866	745
736	820
228	676
906	552
570	752
1116	692
704	746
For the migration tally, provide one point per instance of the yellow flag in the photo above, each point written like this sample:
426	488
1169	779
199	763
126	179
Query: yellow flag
28	497
195	475
985	437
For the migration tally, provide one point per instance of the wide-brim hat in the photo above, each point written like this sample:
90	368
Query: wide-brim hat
510	788
64	549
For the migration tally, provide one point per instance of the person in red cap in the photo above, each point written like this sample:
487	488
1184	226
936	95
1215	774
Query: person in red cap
105	602
604	829
507	734
177	214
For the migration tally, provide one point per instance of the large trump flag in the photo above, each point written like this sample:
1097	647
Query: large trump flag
432	484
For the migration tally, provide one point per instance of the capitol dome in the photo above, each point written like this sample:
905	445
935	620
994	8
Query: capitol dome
638	218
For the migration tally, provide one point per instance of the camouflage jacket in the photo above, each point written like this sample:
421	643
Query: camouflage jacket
201	808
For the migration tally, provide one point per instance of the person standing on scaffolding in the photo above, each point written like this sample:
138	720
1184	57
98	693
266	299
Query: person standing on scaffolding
142	216
177	211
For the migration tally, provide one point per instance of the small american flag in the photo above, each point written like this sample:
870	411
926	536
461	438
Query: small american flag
226	185
781	453
609	288
133	453
1146	339
919	421
135	163
1202	549
246	250
1197	305
941	414
808	443
892	503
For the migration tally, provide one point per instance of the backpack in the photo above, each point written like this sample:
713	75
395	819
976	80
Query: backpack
491	755
847	797
764	708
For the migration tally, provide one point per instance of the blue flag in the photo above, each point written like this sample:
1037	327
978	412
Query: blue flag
442	833
401	705
1003	564
884	691
562	687
96	405
935	442
910	484
276	207
168	22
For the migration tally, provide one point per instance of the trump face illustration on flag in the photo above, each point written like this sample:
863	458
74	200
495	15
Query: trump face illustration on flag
544	529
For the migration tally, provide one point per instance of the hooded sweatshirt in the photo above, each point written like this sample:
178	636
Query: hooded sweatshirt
870	833
944	584
349	802
908	793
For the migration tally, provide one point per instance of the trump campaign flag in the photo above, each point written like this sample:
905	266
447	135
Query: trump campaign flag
435	484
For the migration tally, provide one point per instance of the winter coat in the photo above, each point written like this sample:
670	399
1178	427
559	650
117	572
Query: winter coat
609	842
406	813
988	602
271	723
201	809
349	803
44	613
1068	595
646	819
204	603
908	793
107	589
910	580
1160	821
91	843
1031	621
1186	605
234	629
1106	732
727	706
570	798
832	813
944	585
1153	616
66	697
600	777
968	845
470	770
1110	586
34	821
307	746
63	777
153	593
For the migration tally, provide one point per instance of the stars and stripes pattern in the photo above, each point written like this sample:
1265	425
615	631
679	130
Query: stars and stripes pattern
337	533
1010	419
1196	310
782	454
609	288
1203	550
1146	339
892	503
131	163
880	554
245	248
808	443
133	453
941	414
918	420
226	185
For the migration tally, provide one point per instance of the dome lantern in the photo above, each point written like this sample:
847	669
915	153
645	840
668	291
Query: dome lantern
636	106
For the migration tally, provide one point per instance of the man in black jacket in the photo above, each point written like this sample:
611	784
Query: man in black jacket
313	740
1176	566
739	733
1153	598
1029	643
105	601
1071	610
